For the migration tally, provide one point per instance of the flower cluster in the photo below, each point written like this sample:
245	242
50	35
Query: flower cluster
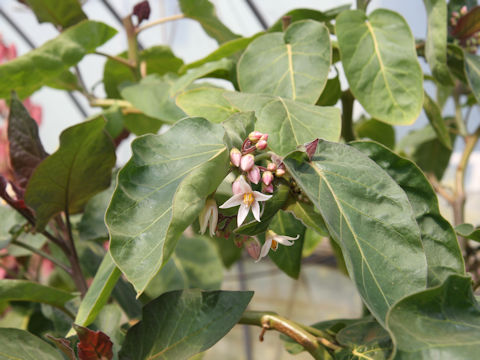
471	42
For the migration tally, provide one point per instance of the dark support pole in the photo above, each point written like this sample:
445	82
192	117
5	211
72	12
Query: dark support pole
29	42
257	14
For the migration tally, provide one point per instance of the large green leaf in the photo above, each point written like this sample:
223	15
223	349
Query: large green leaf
438	237
438	323
194	264
306	213
376	130
331	93
237	127
293	64
370	216
61	13
289	123
180	324
161	191
31	71
23	290
21	345
204	12
79	169
380	62
434	115
472	70
436	43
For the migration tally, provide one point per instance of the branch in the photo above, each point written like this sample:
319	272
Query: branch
77	274
270	320
115	58
158	22
440	189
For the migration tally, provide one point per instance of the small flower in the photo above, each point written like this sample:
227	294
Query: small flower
247	162
254	136
261	145
267	177
247	199
254	175
235	157
271	167
280	172
209	216
264	137
253	247
463	10
272	240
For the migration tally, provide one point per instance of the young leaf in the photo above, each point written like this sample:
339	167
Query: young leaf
378	52
31	71
468	24
20	344
93	345
381	244
237	127
442	322
472	70
201	319
161	191
434	115
436	43
376	130
331	93
292	65
26	149
204	12
438	237
64	13
468	231
79	169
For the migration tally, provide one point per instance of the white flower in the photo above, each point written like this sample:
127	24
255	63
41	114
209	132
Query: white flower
246	198
272	240
209	216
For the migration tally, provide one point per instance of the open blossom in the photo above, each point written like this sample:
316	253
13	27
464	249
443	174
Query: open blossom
209	216
247	199
272	240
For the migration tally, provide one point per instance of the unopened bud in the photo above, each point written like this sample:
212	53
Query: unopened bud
254	175
254	136
264	137
142	11
239	240
261	145
247	162
455	14
280	172
209	216
235	157
453	21
253	247
271	166
267	177
268	188
463	10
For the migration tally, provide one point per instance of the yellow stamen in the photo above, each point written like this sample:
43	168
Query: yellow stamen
248	199
274	245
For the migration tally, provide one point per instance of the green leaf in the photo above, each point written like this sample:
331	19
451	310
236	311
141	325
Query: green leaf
289	123
436	43
25	148
456	62
161	191
288	258
207	102
438	323
23	290
141	124
472	69
115	123
380	62
435	118
64	13
202	318
310	242
204	12
331	93
79	169
381	244
31	71
21	345
309	216
65	81
292	65
376	130
228	251
193	265
9	219
237	127
468	231
438	237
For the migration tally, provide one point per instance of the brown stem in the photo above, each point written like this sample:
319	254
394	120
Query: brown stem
115	58
132	44
440	189
286	20
159	21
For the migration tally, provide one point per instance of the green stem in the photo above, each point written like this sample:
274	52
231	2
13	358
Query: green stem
362	4
115	58
132	45
462	129
159	21
270	320
77	274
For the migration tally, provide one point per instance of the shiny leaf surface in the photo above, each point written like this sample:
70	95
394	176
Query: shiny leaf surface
20	344
64	13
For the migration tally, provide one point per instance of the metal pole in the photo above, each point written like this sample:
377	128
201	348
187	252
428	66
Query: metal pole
257	14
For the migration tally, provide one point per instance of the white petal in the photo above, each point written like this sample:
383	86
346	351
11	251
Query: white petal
203	220
265	249
213	221
261	197
244	186
235	200
256	210
242	214
284	240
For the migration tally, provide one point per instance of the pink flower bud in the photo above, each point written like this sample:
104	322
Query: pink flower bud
247	162
254	175
261	145
235	157
268	188
264	137
463	10
271	166
280	172
455	14
267	177
253	247
254	136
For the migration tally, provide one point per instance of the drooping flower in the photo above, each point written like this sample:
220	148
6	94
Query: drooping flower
254	136
235	157
253	247
254	174
247	162
272	240
246	198
261	145
209	216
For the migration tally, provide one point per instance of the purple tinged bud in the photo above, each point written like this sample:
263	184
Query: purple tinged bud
142	11
254	175
271	166
280	172
253	247
463	10
268	188
254	136
235	157
247	162
261	145
267	177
